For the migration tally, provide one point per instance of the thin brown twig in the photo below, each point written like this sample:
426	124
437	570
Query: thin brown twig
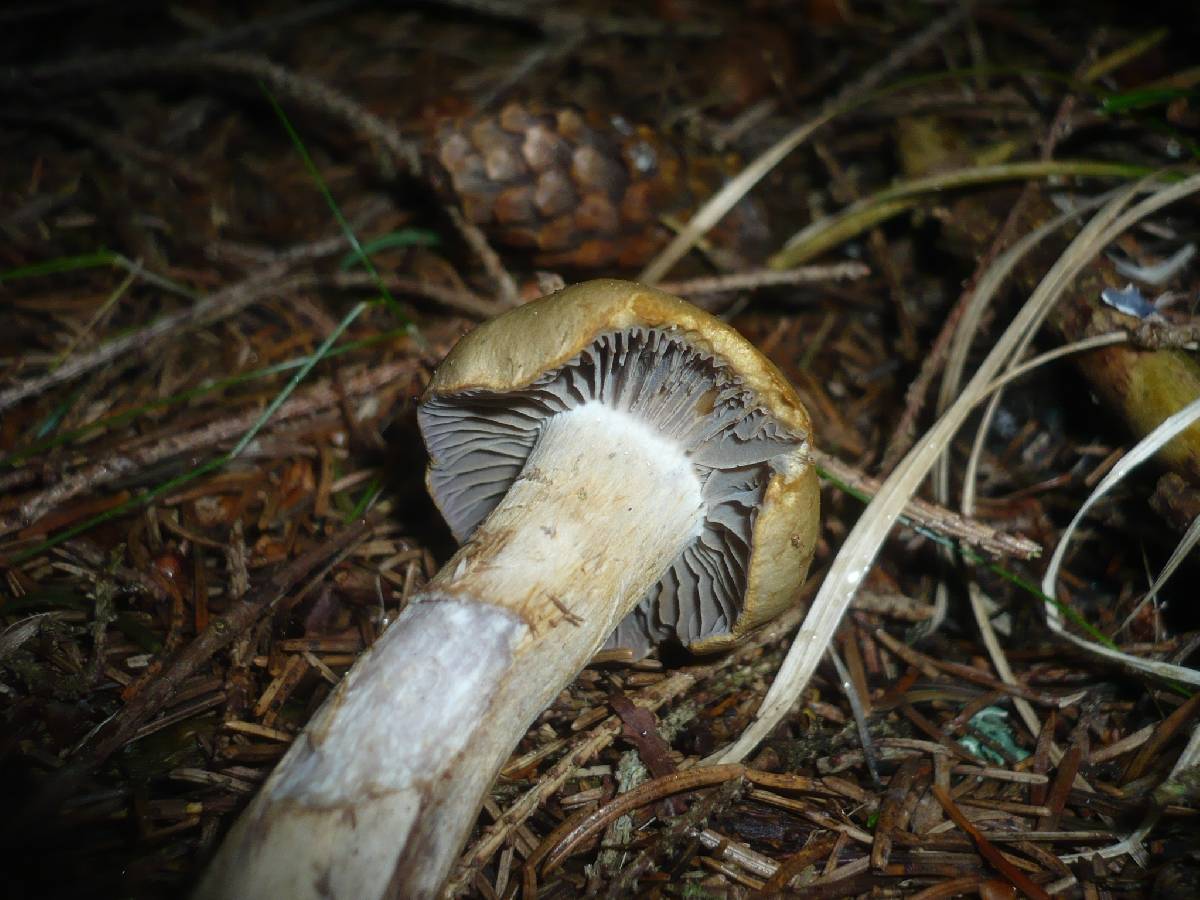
551	19
584	749
964	885
1151	335
122	464
554	48
1019	879
572	833
223	303
297	87
312	92
83	550
271	278
452	298
915	657
315	94
742	281
121	148
475	239
563	841
817	849
365	213
896	807
85	67
934	517
1167	729
690	822
1056	797
458	299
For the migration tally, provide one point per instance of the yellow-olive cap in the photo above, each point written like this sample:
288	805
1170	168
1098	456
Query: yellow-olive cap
532	356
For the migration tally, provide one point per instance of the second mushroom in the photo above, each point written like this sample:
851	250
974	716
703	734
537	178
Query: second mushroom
622	469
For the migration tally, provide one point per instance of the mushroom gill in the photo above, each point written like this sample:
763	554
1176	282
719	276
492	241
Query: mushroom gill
479	441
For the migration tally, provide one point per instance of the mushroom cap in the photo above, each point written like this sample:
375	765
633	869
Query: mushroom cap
515	352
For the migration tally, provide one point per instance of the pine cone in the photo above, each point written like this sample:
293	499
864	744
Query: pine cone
581	190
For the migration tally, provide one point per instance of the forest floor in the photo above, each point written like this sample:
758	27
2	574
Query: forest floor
234	249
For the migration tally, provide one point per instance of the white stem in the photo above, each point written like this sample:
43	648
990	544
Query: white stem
376	797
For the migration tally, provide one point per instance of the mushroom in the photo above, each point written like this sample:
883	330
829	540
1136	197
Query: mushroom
620	466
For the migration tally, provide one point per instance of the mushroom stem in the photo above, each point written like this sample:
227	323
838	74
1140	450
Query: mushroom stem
376	797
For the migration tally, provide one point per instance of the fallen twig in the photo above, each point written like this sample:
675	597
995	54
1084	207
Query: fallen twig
138	342
122	464
925	514
742	281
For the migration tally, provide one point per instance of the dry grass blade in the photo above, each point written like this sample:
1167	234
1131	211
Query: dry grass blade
869	211
1142	451
1099	340
862	545
725	199
1186	545
989	284
741	281
1079	253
